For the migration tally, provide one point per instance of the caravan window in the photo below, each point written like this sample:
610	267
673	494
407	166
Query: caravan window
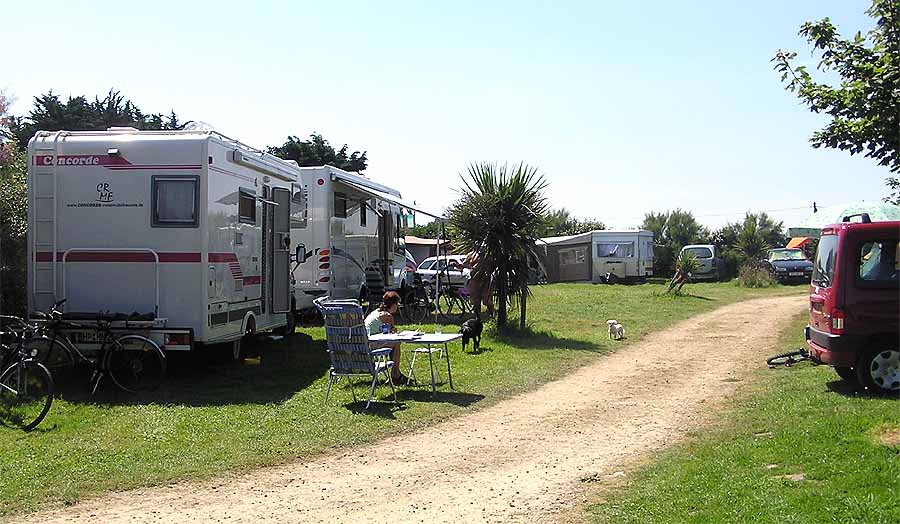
247	206
175	201
615	250
340	205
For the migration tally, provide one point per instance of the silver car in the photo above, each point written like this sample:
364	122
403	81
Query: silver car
429	268
707	258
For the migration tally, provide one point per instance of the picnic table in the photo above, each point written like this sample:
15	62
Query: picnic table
428	340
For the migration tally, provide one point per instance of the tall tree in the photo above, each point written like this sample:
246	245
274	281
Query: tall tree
50	113
318	152
865	105
13	221
561	222
500	215
672	230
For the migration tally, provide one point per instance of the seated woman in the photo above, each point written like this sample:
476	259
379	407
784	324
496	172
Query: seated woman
384	314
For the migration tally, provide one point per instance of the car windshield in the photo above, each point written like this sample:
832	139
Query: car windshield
786	254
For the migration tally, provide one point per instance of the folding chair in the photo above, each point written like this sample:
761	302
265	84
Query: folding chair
348	346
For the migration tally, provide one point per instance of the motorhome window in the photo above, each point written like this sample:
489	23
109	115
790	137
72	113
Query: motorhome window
879	263
246	207
363	213
175	201
340	205
398	237
615	250
298	210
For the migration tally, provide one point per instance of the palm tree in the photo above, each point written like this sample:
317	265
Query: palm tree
500	215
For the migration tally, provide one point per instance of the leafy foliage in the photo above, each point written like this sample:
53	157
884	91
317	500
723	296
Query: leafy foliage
864	107
685	265
13	218
560	222
50	113
500	215
747	241
318	152
429	230
755	276
672	230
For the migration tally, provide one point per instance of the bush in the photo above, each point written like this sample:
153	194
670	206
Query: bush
753	276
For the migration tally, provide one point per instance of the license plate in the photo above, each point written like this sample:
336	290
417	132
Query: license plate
87	337
796	273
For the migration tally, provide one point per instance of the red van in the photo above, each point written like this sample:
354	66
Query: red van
854	303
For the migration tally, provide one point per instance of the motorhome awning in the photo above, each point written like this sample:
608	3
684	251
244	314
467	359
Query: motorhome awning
383	195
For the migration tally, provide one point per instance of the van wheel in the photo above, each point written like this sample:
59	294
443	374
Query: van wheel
848	374
879	371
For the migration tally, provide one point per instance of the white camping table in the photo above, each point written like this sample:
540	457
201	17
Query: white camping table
428	340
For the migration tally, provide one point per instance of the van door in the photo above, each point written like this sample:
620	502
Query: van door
281	251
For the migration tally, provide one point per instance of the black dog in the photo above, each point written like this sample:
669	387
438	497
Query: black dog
471	330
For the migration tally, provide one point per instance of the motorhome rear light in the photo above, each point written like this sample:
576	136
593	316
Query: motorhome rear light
324	259
324	252
324	279
837	322
326	265
178	339
320	181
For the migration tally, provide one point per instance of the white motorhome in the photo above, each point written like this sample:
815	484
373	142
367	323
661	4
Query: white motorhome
352	242
594	254
189	227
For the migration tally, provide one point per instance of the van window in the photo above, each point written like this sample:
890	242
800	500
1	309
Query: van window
246	206
616	250
175	201
340	205
878	262
823	271
699	252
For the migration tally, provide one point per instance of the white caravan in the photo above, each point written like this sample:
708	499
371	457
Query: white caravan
352	243
190	228
594	254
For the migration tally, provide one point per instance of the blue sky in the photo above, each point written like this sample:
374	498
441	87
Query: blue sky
626	107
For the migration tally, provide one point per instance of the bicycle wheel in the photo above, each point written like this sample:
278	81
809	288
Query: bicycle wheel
136	363
446	304
415	311
51	353
26	393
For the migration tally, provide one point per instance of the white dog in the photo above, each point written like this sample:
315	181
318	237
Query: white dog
616	330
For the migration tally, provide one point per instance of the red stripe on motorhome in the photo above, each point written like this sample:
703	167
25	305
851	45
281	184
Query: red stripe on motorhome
116	256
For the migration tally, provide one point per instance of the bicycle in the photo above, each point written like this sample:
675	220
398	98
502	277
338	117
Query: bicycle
415	303
788	359
26	386
451	298
133	362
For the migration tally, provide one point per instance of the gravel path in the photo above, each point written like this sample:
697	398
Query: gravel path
520	460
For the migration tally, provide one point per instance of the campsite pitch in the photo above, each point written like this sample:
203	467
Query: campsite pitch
522	459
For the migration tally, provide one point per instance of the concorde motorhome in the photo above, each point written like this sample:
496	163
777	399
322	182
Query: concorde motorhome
200	231
192	228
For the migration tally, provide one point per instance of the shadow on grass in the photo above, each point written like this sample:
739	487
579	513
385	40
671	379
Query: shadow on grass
530	338
853	390
457	398
209	377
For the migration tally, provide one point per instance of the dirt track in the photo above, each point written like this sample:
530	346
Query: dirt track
519	460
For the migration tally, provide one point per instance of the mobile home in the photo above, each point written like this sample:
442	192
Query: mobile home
190	228
591	256
352	241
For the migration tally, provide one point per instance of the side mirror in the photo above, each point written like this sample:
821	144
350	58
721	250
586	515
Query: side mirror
300	254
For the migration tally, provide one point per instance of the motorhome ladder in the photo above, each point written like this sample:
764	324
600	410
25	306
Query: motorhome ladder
43	190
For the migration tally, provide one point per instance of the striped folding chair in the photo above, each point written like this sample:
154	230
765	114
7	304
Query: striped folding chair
348	346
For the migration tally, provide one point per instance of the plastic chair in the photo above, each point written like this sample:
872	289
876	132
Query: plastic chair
348	346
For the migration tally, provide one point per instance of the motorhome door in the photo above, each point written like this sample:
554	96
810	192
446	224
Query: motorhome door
281	252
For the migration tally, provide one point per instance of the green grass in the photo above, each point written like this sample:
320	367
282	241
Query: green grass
796	421
214	417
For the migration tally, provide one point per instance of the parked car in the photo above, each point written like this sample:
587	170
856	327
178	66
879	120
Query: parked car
708	260
789	265
429	268
854	303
